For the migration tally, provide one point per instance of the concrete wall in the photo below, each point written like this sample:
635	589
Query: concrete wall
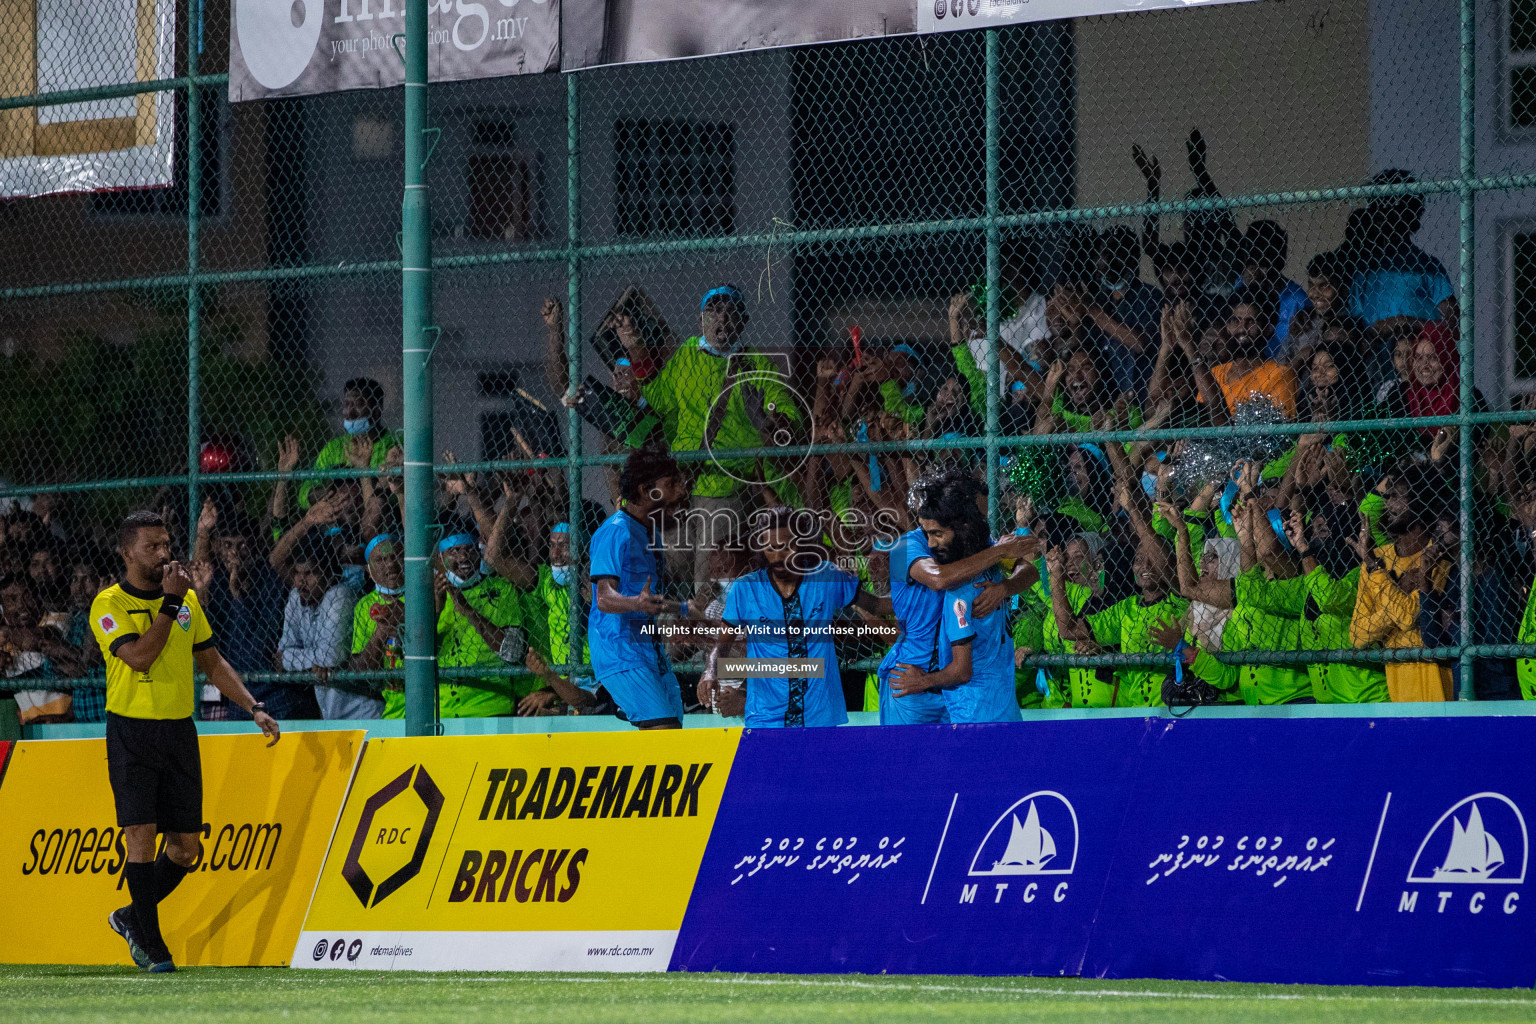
1290	95
1279	89
490	318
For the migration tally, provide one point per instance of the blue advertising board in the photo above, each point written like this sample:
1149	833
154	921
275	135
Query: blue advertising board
976	849
1392	851
1334	851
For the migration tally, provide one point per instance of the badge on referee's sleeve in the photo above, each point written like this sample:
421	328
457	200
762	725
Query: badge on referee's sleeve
184	618
107	623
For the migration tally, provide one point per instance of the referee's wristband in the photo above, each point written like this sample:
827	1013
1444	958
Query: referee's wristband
170	606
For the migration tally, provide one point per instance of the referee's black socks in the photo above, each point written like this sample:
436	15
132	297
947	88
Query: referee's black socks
146	905
168	875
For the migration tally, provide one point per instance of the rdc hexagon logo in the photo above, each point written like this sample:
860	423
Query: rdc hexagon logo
369	893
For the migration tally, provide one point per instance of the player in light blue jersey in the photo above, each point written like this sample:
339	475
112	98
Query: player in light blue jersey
627	580
971	668
918	582
786	610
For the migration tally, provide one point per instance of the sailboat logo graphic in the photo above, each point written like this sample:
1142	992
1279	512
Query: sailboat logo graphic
1043	843
1474	854
1465	844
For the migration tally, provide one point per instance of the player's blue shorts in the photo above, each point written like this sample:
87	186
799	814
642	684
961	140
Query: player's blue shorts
982	702
916	709
644	696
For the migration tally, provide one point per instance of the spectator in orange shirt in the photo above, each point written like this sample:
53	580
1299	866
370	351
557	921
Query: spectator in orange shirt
1248	374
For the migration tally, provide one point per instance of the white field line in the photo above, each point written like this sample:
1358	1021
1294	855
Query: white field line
1019	990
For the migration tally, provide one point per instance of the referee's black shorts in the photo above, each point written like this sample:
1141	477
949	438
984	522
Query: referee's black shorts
156	773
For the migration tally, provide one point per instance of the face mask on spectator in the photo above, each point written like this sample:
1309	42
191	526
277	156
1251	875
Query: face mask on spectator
387	591
459	581
1115	286
358	426
561	574
707	347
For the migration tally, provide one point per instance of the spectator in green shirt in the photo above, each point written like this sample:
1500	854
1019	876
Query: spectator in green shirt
547	622
1327	605
711	395
362	419
477	611
1264	618
377	618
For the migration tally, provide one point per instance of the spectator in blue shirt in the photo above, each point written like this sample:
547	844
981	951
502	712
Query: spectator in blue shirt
88	576
627	583
1395	280
1126	310
1266	248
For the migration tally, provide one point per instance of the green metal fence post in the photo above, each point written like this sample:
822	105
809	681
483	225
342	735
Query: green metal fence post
416	387
994	305
573	471
1465	341
194	297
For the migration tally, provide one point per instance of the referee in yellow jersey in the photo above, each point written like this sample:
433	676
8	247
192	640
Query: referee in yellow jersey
152	632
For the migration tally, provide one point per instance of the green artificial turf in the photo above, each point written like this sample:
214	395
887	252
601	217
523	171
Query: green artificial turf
126	996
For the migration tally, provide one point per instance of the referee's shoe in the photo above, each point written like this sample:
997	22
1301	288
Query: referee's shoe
156	961
121	921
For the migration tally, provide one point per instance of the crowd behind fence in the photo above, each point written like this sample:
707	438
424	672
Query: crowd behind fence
1233	446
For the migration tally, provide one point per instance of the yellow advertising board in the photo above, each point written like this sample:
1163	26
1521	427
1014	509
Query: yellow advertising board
567	851
268	816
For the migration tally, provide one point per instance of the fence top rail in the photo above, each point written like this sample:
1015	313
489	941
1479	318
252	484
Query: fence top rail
791	237
794	451
109	92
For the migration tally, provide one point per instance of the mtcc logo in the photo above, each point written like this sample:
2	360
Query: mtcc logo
1480	841
1043	843
1032	840
409	825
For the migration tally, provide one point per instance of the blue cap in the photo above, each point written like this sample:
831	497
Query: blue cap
455	541
1096	452
906	349
560	528
728	291
376	541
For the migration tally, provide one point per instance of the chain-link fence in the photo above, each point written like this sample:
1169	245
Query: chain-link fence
1228	313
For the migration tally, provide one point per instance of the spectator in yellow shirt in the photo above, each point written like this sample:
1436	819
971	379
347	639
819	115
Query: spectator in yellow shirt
1392	578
